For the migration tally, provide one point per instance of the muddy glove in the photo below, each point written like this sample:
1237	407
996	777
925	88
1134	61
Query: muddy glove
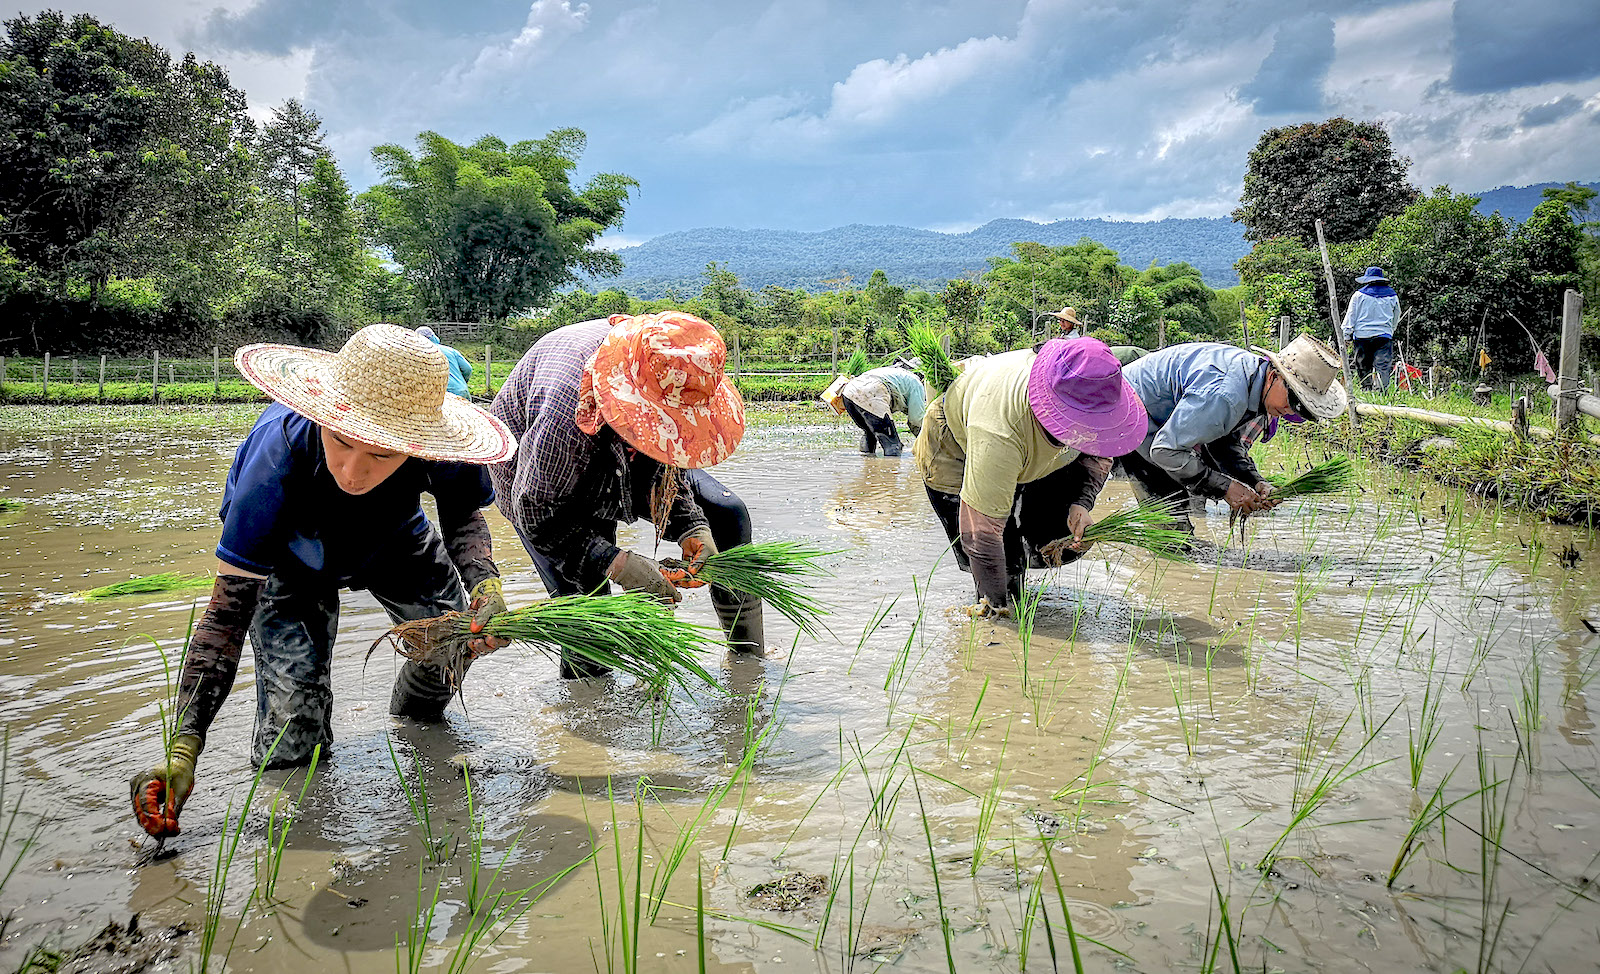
983	610
636	573
486	601
158	794
697	545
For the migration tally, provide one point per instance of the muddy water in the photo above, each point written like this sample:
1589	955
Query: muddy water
1158	732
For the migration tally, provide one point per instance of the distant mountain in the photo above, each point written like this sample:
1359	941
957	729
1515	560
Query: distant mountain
674	262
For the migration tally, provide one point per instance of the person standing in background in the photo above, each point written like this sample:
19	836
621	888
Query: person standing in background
460	368
1369	324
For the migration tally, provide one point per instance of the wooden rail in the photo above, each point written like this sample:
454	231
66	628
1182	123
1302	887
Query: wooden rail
1452	421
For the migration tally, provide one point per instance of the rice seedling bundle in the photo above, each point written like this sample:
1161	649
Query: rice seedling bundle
161	582
1332	475
9	505
632	633
1147	525
937	368
772	571
855	364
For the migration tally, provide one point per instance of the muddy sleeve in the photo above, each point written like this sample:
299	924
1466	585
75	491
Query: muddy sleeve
471	549
1232	456
1085	479
212	659
983	539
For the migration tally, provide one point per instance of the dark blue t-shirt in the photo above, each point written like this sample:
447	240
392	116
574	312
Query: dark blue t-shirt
283	511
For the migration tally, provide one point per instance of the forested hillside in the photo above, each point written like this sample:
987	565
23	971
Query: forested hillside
674	263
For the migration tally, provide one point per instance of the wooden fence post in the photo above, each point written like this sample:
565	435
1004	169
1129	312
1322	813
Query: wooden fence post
835	358
1161	334
1567	403
216	370
1283	330
171	373
1338	331
488	370
102	377
74	371
46	394
737	359
2	378
155	376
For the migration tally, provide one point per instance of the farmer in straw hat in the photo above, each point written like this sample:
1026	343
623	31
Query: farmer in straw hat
616	420
1071	326
1369	326
1208	401
324	494
1013	457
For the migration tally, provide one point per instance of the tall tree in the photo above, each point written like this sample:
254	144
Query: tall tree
1342	172
488	230
288	150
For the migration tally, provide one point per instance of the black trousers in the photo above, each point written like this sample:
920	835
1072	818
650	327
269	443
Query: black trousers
1374	355
1038	517
876	430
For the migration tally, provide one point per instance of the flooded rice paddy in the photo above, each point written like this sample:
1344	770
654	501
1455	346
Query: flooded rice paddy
1362	743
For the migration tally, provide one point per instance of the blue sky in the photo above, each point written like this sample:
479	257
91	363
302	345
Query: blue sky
808	114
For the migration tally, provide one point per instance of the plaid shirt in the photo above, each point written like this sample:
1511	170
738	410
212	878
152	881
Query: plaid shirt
564	482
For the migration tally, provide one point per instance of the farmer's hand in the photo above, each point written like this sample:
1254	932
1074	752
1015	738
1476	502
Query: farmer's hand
983	610
636	573
1079	521
697	545
487	601
158	794
1264	488
1242	498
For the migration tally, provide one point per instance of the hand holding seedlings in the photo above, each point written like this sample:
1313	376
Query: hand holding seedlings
488	601
158	794
636	573
697	545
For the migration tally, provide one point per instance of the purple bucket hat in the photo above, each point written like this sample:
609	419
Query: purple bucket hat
1079	396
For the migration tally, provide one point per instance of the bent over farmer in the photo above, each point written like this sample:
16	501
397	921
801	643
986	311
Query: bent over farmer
872	398
1207	402
324	494
1013	457
616	419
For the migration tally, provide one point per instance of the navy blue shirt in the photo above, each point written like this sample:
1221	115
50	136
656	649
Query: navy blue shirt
282	511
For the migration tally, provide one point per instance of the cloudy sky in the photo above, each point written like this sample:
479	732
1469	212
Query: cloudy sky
808	114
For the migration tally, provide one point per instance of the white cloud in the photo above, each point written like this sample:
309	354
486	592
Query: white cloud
548	22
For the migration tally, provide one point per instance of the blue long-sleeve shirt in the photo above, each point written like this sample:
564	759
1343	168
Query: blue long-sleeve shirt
1372	313
460	369
1195	394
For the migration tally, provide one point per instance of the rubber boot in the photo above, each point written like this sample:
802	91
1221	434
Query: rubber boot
422	692
869	444
741	618
892	446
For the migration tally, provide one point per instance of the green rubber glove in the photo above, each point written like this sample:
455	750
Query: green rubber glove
158	794
486	600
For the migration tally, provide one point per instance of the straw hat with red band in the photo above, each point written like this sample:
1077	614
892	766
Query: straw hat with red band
385	388
657	380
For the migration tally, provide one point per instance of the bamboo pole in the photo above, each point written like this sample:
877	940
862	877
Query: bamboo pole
1583	402
1571	321
1451	420
1338	331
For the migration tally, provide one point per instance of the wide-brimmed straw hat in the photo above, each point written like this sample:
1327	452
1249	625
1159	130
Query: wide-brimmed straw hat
1373	274
1079	396
385	387
657	380
1067	315
1311	370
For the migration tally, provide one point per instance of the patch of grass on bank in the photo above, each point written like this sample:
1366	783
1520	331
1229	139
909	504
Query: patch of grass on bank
67	393
1559	480
35	421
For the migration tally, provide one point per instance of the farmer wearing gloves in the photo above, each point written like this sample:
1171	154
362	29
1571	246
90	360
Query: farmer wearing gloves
871	399
324	494
615	419
1208	401
1369	325
1012	457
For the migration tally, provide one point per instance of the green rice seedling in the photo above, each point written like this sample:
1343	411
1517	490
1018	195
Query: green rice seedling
222	866
1316	783
989	805
1147	525
161	582
1421	738
933	865
1529	707
1225	932
1181	692
435	847
855	364
631	632
1027	613
14	841
409	954
1493	811
1423	819
10	505
872	626
1099	756
937	369
773	571
1066	915
279	819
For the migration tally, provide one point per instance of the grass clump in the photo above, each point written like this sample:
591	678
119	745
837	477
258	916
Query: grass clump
1147	525
160	582
937	369
631	632
772	571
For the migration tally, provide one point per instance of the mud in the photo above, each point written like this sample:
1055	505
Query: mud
908	792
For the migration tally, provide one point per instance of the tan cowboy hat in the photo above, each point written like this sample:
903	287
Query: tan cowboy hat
657	380
385	387
1311	369
1067	315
